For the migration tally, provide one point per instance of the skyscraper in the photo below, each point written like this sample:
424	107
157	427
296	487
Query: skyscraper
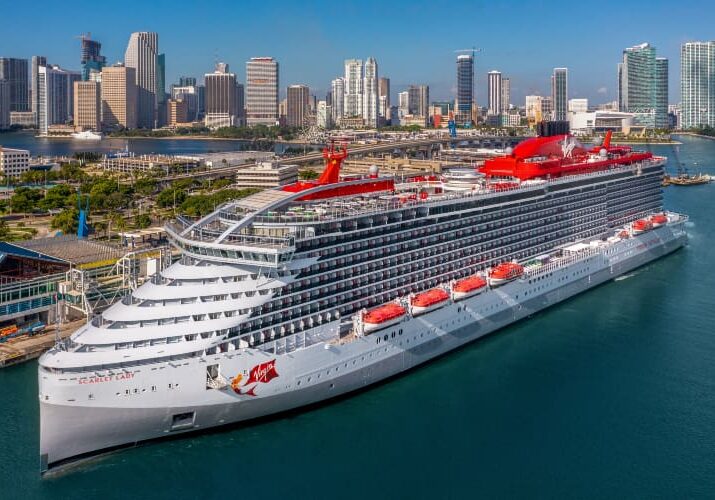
465	88
90	58
352	102
505	94
494	91
161	89
187	81
141	55
14	72
222	98
119	97
189	94
4	104
37	61
384	91
337	87
297	112
370	101
560	93
87	106
697	84
262	78
643	86
56	96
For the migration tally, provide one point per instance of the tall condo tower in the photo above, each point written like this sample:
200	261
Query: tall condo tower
560	93
262	91
643	86
224	98
37	61
298	97
494	90
90	58
697	84
119	97
370	101
337	87
352	103
505	94
465	88
141	55
14	72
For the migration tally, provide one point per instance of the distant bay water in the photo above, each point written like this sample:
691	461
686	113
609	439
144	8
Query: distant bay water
608	395
56	146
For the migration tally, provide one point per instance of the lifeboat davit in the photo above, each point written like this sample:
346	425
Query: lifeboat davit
428	301
641	226
468	287
658	220
504	273
383	316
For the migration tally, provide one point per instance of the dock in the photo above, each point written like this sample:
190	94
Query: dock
25	348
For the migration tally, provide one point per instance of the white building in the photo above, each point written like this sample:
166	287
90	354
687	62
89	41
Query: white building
266	175
371	94
262	78
323	115
578	105
494	91
600	121
403	104
353	90
13	162
141	54
697	84
337	87
55	96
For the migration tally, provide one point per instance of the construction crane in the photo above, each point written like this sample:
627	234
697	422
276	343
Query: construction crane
473	51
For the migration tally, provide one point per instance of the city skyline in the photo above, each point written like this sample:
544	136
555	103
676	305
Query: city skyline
310	52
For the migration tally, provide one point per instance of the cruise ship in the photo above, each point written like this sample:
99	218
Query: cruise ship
298	294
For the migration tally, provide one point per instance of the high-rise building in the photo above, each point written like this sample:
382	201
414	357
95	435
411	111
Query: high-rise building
465	89
323	115
262	78
188	94
494	91
353	89
384	92
56	96
643	86
371	95
224	96
578	105
297	105
187	81
91	59
560	93
505	94
37	61
119	97
538	108
201	93
403	104
176	112
337	87
4	105
141	54
697	84
14	72
87	106
418	100
161	89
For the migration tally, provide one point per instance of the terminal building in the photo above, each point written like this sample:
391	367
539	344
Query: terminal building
266	175
14	162
130	163
600	121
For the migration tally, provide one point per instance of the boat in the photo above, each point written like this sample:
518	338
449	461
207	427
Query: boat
642	225
658	220
268	310
468	287
87	135
430	300
383	316
504	273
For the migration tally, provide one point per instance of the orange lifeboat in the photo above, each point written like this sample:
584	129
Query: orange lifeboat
383	316
504	273
467	287
658	220
429	301
641	226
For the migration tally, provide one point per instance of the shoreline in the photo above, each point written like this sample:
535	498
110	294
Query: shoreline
691	134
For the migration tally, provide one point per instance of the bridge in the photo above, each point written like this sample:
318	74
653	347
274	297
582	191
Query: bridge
427	147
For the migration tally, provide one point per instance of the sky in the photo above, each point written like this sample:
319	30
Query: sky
413	41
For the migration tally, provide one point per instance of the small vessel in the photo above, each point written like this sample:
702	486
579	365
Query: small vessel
87	135
504	273
383	316
641	226
468	287
428	301
658	220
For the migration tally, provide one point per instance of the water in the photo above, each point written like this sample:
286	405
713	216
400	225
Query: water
610	394
43	146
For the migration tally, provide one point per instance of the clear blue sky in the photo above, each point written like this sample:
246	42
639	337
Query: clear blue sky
413	41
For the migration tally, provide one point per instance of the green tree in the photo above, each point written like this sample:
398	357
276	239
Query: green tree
59	196
308	174
169	196
145	186
25	199
66	221
142	221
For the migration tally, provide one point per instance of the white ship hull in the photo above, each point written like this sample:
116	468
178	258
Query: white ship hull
87	416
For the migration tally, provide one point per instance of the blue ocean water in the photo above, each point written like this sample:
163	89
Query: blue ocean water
608	395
